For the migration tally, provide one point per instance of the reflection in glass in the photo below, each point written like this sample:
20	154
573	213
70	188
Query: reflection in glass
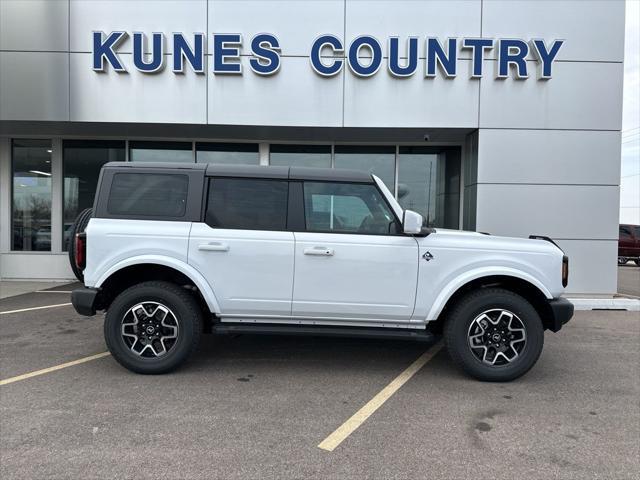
82	161
232	153
380	161
429	183
31	206
160	152
300	155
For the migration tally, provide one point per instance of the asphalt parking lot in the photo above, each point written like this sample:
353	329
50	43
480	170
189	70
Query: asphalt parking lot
258	407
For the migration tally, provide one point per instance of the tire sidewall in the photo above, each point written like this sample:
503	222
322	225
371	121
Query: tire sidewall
470	309
139	294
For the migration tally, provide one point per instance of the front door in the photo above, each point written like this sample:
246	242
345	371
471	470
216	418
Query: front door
352	262
243	248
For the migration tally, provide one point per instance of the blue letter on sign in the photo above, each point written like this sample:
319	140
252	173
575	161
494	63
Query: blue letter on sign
545	56
265	47
221	52
157	54
512	52
103	49
182	51
394	57
365	41
447	61
316	50
477	46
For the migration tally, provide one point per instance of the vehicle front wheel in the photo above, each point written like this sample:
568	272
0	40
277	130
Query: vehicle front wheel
494	335
637	262
153	327
622	260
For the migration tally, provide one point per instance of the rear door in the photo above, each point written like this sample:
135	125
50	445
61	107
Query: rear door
243	249
351	261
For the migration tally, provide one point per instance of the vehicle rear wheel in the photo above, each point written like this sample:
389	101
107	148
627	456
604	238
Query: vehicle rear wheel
622	260
79	226
494	335
153	327
637	262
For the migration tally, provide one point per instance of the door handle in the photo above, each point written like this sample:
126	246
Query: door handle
320	251
214	247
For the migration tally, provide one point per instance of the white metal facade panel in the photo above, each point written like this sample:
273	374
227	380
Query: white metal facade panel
298	97
385	101
580	95
435	18
39	265
592	266
166	16
296	23
34	86
558	211
34	25
593	30
134	96
549	156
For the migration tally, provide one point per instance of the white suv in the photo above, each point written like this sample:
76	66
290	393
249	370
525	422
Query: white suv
174	250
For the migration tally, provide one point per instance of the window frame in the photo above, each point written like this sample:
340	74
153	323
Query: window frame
398	222
205	201
193	207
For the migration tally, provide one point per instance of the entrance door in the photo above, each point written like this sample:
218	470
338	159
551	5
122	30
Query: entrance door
352	262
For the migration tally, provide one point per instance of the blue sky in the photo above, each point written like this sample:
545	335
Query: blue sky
630	166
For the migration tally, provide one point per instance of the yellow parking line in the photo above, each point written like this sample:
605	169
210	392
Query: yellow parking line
34	308
347	428
53	369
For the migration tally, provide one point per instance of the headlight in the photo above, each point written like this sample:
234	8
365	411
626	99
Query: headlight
565	270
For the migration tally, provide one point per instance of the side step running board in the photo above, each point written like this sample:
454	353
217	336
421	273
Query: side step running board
322	331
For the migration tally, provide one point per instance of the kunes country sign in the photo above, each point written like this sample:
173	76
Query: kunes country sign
364	56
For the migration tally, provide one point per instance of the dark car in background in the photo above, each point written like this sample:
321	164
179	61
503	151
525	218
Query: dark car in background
629	244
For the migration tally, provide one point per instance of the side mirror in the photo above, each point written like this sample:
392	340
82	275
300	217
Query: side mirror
412	222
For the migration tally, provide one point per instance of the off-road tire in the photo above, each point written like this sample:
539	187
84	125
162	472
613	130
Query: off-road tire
188	314
79	226
467	309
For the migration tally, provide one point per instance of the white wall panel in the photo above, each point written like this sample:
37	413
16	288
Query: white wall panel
34	25
167	16
435	18
294	96
163	97
558	211
296	23
386	101
593	30
548	156
579	96
34	86
36	266
592	266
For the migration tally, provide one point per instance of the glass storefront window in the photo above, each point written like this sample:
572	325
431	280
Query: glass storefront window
429	183
31	203
160	152
233	153
82	161
300	155
381	161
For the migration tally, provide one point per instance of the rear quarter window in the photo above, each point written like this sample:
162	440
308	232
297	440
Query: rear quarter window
148	194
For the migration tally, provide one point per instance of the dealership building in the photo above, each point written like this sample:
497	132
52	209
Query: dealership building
500	116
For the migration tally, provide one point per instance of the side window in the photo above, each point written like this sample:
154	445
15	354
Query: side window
247	204
347	208
625	232
148	194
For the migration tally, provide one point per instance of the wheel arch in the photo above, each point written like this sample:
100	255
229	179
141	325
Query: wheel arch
139	269
528	288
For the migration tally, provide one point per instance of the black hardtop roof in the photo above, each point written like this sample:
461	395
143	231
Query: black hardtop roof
256	171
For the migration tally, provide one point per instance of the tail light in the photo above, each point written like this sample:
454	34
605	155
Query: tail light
565	270
81	250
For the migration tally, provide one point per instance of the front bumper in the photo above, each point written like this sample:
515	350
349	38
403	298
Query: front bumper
561	312
84	300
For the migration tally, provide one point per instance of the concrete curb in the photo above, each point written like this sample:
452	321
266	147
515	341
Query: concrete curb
629	304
